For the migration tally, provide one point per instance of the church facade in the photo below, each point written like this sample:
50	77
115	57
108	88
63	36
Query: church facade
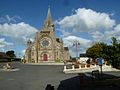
46	47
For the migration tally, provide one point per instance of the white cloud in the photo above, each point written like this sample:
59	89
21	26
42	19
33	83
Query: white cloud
8	19
116	30
87	20
83	44
75	38
106	35
87	23
113	33
65	33
5	45
97	36
19	32
3	42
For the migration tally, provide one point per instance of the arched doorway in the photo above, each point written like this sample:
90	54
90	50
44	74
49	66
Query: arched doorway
45	57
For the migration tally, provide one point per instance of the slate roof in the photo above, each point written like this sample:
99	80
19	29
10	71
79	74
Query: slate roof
58	40
66	48
83	55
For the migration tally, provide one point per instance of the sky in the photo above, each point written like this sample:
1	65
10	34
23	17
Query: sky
82	21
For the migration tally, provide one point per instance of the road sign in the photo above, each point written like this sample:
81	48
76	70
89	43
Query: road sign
100	61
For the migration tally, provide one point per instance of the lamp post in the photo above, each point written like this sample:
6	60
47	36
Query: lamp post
76	44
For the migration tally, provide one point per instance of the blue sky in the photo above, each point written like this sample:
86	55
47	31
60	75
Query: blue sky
85	21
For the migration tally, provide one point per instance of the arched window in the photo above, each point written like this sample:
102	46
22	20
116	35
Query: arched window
32	53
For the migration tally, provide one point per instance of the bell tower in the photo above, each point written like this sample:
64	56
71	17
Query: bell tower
48	23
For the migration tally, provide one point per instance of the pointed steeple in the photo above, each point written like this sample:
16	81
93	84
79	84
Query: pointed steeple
49	14
48	22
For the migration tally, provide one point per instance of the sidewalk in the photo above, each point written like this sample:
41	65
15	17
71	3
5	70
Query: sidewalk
109	82
44	63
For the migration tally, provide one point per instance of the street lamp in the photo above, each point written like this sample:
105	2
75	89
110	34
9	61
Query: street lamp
76	44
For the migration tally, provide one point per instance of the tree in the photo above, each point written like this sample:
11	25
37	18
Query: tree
11	54
114	41
115	53
109	52
97	50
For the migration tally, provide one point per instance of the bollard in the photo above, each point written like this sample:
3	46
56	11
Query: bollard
85	66
73	67
79	66
95	65
110	65
64	67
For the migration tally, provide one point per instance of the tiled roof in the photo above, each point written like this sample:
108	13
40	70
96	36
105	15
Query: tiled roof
3	56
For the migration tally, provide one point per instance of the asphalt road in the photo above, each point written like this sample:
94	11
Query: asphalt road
32	77
36	77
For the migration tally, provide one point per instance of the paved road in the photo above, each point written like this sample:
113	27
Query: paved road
36	77
32	77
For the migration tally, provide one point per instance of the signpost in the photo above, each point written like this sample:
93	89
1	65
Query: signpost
100	64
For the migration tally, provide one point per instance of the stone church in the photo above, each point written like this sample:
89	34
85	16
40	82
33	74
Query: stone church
46	47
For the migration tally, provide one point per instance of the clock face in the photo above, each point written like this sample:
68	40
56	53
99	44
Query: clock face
45	42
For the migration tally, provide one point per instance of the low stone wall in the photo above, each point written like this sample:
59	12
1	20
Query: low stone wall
84	69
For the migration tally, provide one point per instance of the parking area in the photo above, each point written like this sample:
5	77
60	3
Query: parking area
36	77
32	77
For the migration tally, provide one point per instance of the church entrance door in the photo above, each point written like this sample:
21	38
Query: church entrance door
45	57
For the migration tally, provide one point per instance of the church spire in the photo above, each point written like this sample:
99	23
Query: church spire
49	14
48	22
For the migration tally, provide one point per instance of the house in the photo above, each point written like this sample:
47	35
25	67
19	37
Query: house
4	57
83	58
